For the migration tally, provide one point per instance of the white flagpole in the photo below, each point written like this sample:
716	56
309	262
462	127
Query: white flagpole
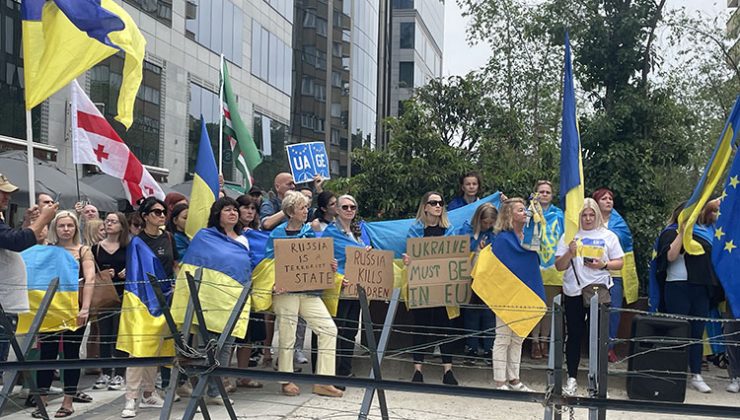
31	167
221	119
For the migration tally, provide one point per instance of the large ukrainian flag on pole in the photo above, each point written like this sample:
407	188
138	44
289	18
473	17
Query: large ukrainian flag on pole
205	185
507	278
64	38
227	270
709	179
571	165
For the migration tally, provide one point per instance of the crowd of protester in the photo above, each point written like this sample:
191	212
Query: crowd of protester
99	246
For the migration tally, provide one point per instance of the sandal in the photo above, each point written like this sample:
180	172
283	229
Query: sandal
248	383
63	412
291	390
81	397
38	415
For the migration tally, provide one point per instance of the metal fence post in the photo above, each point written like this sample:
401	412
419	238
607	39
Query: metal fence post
597	355
555	361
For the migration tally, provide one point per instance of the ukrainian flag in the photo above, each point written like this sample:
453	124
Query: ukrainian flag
507	278
618	225
554	222
341	242
43	264
64	38
142	330
205	185
712	174
227	270
571	165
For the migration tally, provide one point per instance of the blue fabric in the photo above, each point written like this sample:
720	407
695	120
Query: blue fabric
705	232
257	244
554	228
523	263
140	261
341	242
280	233
726	259
481	320
617	295
485	237
684	298
181	243
44	263
90	17
570	155
213	250
618	225
32	9
269	207
204	167
457	202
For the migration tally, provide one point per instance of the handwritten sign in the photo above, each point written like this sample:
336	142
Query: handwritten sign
439	271
303	265
307	160
373	270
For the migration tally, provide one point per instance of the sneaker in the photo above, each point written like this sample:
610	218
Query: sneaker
612	356
299	358
129	409
697	382
418	377
449	378
117	383
470	357
519	387
503	387
55	390
570	388
185	390
488	358
733	386
217	401
102	381
153	401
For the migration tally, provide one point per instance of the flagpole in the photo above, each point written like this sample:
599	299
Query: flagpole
31	167
221	113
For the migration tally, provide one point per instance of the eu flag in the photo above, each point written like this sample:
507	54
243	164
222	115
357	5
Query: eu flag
725	255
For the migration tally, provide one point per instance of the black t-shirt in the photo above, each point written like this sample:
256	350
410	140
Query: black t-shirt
116	261
292	232
164	248
434	231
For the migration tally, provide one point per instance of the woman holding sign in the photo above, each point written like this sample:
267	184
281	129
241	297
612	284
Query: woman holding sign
307	304
586	261
431	220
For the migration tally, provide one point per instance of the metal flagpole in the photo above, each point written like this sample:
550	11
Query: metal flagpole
31	168
221	119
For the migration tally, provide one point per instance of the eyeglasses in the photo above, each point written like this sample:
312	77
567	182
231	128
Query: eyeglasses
349	207
111	222
435	203
158	212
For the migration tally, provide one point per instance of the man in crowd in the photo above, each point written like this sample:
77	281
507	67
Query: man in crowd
271	214
87	211
36	218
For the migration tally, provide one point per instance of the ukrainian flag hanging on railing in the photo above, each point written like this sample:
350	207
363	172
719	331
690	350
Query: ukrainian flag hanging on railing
142	328
64	38
43	264
205	185
227	270
507	278
709	179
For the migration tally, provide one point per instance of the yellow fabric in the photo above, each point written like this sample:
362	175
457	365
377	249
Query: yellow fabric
139	333
263	281
62	313
331	296
629	278
201	200
552	277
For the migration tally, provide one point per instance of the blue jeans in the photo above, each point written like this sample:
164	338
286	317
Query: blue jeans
617	295
482	320
684	298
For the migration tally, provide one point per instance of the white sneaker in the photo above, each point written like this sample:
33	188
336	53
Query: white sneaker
697	382
570	388
102	381
117	383
129	409
55	390
503	387
153	401
734	385
520	387
299	358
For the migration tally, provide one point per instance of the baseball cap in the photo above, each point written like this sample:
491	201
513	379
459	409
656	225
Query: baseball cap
6	186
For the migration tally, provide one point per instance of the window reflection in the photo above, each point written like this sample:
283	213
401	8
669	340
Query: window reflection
217	25
206	102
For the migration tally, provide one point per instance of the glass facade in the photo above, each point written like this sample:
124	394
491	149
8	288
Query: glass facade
277	160
143	138
158	9
206	103
218	26
406	74
407	35
283	7
271	58
364	72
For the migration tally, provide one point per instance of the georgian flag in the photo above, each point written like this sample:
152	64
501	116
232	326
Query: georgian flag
94	142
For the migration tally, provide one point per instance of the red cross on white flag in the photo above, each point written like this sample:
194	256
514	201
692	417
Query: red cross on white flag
94	142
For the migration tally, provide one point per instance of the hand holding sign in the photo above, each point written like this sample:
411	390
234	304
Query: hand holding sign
307	160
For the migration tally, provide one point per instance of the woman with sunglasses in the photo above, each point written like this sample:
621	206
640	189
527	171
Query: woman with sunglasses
431	220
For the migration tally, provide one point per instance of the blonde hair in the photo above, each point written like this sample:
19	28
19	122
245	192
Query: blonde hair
292	200
590	203
347	197
542	182
90	232
483	211
52	238
505	219
421	214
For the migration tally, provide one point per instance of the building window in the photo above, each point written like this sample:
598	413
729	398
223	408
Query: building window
307	86
271	58
283	7
276	133
321	26
406	74
309	18
337	49
143	138
335	137
407	35
319	92
336	110
158	9
308	121
334	166
206	103
403	4
217	25
336	79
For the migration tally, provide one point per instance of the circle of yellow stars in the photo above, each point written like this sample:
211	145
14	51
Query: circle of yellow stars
729	245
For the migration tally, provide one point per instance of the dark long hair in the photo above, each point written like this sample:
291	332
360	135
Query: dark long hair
176	210
322	202
215	216
146	206
247	200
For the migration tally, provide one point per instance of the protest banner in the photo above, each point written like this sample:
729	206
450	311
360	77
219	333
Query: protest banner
439	271
371	269
304	264
307	160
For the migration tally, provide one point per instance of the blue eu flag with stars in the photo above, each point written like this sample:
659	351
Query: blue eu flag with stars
725	251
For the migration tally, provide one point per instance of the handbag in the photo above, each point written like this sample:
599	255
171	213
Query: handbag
588	291
105	297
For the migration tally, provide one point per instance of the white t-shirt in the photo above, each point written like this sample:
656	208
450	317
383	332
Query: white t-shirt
599	244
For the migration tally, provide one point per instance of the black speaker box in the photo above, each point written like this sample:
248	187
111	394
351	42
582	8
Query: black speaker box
651	359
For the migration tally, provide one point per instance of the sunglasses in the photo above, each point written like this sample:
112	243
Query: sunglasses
435	203
159	212
349	207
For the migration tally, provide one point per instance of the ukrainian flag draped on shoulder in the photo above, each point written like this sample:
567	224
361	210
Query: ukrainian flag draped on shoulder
618	225
341	242
227	270
43	264
709	179
554	222
64	38
571	164
142	328
205	185
507	278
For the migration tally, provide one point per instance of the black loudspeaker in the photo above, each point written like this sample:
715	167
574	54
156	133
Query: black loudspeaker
651	359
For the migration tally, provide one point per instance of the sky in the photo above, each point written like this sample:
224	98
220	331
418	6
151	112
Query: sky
460	58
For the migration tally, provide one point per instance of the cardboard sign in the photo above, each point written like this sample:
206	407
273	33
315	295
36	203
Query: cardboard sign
307	160
439	271
373	270
302	265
